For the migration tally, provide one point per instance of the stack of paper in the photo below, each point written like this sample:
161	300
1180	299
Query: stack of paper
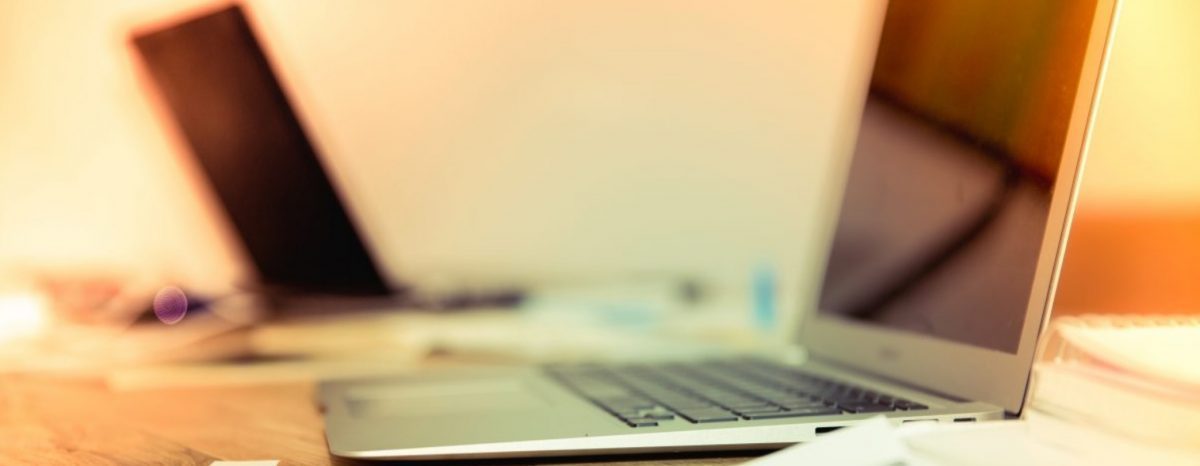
1134	379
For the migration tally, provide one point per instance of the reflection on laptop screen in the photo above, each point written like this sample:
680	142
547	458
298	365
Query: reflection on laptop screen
950	185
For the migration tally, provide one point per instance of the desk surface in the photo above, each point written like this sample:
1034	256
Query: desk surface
49	421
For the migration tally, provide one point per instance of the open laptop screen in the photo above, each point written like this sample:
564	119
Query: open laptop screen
950	184
249	143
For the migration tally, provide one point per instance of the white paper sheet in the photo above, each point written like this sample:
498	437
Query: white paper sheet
871	443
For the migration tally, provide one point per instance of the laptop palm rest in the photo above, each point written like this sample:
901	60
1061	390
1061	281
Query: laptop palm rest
495	395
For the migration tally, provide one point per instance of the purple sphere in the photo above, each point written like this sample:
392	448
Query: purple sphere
170	305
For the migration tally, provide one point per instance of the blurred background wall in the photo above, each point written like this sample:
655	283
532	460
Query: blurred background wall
1136	242
518	137
544	138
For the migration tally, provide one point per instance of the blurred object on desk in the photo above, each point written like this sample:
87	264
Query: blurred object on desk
83	294
257	371
610	319
84	349
374	344
579	323
633	302
1131	262
231	342
345	335
1130	377
1159	350
97	296
22	315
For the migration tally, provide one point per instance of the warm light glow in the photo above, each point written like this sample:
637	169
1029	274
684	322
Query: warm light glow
1145	141
21	316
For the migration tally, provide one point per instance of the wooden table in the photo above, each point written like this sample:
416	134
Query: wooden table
48	421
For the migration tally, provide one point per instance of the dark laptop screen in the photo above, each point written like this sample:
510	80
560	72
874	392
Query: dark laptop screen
254	153
950	184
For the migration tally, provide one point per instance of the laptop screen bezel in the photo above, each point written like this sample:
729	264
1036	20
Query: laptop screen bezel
957	369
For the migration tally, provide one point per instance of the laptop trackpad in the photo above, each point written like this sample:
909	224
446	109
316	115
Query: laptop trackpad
439	398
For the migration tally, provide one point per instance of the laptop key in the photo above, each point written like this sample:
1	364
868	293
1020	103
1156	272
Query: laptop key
760	414
708	416
909	406
823	411
866	408
762	409
759	405
694	406
803	405
641	422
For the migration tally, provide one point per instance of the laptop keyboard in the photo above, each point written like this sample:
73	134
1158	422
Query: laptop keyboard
643	395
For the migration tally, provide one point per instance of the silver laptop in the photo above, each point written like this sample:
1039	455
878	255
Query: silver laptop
941	270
